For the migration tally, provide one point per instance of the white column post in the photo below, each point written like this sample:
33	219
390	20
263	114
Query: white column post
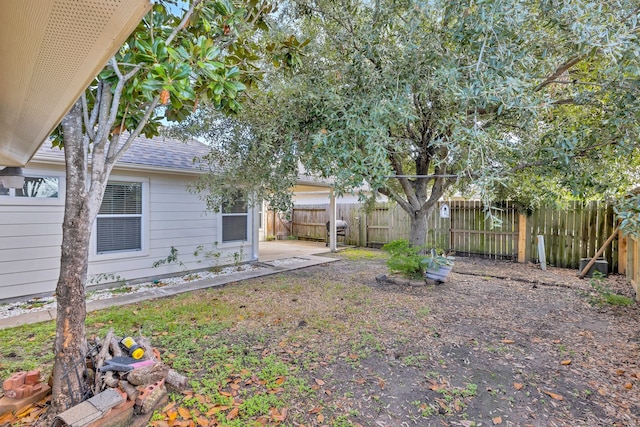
255	233
332	221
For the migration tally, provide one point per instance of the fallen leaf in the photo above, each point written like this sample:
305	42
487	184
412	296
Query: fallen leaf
628	386
553	395
566	362
518	386
203	422
278	416
319	381
315	410
184	413
233	413
169	407
320	418
381	383
620	371
497	420
280	380
507	341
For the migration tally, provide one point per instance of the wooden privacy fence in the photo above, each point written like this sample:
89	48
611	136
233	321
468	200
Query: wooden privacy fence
570	233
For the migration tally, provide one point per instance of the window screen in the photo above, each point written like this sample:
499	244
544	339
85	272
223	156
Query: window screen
234	221
119	222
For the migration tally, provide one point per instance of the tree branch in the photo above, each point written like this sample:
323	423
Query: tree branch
559	71
118	155
183	23
85	115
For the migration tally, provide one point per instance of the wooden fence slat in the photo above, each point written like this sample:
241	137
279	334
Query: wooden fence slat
572	232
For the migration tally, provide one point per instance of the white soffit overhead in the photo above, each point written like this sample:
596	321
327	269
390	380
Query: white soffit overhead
50	50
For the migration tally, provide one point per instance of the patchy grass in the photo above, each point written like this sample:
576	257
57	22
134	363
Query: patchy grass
329	346
355	254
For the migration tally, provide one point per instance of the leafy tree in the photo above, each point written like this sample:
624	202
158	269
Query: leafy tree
514	99
183	53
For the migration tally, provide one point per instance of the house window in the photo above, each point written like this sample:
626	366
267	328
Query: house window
34	187
235	220
119	221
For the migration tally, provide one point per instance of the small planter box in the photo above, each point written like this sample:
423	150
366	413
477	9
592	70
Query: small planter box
601	265
441	274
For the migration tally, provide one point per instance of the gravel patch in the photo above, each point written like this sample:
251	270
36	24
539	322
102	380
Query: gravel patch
48	303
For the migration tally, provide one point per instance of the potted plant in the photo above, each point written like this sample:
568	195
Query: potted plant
438	267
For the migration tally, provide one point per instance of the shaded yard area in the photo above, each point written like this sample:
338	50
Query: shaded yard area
500	344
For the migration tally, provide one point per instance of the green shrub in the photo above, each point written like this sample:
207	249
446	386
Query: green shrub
405	259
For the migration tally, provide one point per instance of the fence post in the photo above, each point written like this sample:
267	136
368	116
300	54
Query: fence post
363	228
522	238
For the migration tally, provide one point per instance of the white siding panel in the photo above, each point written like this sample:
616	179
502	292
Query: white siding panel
54	240
36	282
31	235
30	239
29	229
45	263
182	215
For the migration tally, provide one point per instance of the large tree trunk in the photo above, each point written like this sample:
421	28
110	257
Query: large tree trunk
418	230
70	344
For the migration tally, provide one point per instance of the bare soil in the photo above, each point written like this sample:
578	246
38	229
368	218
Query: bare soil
501	343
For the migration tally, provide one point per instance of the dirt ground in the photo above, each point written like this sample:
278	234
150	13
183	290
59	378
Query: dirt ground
500	344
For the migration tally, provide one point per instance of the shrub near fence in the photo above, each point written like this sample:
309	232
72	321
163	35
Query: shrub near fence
573	232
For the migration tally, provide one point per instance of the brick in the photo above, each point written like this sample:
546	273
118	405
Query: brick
126	401
20	392
150	395
106	400
33	377
80	415
14	380
13	405
14	393
120	416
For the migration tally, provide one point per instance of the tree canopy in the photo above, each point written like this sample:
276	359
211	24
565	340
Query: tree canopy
523	100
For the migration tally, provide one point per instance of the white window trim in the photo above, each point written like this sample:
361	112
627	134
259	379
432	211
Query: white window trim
236	243
12	200
144	232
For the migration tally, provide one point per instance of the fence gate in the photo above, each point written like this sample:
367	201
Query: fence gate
471	232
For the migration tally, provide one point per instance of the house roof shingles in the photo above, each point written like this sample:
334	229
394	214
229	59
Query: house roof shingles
156	152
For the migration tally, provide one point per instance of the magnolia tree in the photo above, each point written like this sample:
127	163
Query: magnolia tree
417	98
182	54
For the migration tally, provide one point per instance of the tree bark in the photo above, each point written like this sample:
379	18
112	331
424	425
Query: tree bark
418	230
70	345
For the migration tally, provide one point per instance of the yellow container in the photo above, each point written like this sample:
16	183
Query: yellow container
131	347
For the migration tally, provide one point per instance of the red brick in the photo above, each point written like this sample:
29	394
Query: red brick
33	377
20	392
14	380
152	392
12	405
